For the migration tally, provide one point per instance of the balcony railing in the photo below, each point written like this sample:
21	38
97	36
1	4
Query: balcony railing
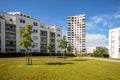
52	36
43	35
11	30
10	38
10	46
43	41
10	22
43	47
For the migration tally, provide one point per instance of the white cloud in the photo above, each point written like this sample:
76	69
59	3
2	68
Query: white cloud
99	19
93	40
117	16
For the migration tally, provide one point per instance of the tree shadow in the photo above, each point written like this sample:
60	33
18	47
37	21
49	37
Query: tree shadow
80	60
58	63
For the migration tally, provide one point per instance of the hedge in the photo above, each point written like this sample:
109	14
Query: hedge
19	54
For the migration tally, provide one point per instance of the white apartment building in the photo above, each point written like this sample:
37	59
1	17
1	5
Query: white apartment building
11	22
77	33
114	43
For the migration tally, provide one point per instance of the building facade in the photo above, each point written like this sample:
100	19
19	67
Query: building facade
77	33
11	22
114	43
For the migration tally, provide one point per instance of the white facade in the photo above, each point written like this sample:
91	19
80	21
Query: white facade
11	22
114	43
77	33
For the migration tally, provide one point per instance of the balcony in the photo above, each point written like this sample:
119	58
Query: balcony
52	35
10	38
8	22
10	30
53	41
10	46
43	48
44	42
43	35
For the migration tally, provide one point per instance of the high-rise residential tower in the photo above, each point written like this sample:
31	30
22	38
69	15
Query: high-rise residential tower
42	34
114	43
77	33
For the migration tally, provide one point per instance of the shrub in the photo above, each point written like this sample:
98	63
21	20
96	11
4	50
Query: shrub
20	54
100	53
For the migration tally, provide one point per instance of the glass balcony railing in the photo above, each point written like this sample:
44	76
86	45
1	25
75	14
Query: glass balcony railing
43	42
11	30
10	38
43	35
10	46
52	36
43	47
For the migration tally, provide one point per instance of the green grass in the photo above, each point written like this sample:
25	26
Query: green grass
46	68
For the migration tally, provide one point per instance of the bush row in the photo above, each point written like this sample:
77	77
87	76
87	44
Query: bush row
19	54
105	55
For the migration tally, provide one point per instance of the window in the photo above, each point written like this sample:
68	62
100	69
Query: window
119	49
22	21
58	35
35	31
10	20
35	24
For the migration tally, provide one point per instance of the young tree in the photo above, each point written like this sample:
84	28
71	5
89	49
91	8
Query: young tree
50	46
26	41
63	44
69	48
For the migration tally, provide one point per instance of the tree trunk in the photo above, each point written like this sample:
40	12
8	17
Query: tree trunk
30	58
25	57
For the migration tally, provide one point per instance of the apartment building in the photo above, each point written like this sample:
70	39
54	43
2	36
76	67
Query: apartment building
77	33
43	33
114	43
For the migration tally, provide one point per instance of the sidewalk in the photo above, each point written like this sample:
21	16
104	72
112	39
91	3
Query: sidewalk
103	59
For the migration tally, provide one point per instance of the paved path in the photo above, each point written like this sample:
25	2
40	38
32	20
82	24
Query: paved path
103	59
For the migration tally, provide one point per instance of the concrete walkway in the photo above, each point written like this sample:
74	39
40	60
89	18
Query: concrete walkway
103	59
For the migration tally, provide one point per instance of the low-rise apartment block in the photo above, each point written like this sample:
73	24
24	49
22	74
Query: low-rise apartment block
43	33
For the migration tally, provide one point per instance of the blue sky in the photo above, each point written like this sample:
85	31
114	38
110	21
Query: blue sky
101	15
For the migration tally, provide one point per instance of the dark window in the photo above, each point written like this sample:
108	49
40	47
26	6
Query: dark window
35	24
35	31
10	20
22	21
119	49
58	35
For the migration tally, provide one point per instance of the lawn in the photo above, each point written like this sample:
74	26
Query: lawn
45	68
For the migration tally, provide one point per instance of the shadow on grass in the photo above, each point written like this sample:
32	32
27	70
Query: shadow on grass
58	63
80	60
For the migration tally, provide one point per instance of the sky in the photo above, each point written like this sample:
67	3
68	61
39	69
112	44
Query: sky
101	15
